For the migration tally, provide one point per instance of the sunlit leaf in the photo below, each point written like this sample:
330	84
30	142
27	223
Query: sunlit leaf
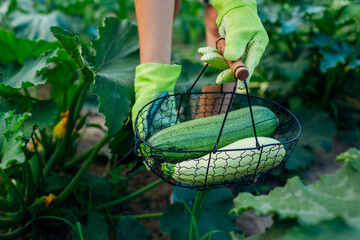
17	49
36	26
28	75
332	196
334	229
73	48
289	230
11	139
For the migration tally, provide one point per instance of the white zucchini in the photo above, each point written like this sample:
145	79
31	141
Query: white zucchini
228	165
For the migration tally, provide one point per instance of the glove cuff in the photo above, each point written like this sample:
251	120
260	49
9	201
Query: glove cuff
156	77
224	6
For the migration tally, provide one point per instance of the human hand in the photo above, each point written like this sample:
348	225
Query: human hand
152	81
246	38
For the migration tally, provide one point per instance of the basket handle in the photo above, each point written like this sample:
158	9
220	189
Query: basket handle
237	67
241	73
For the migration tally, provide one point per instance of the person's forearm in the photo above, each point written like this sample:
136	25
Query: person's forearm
212	30
155	24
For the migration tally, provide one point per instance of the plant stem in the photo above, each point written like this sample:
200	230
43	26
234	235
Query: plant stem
51	161
29	182
81	101
65	96
13	222
290	47
42	161
16	192
66	142
40	164
148	215
130	196
17	234
203	198
108	166
140	216
44	139
70	187
27	93
36	93
78	160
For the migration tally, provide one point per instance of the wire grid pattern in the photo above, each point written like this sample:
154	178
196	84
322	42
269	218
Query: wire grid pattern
215	168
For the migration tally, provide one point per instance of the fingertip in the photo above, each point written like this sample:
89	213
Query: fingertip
233	52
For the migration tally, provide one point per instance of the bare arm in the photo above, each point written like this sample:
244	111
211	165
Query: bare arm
155	24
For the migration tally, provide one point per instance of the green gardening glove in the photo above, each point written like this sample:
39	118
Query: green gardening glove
154	80
244	34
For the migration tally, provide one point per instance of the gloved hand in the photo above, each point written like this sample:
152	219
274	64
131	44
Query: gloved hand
154	80
244	34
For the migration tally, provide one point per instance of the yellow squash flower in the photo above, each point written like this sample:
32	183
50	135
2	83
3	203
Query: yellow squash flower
48	199
59	129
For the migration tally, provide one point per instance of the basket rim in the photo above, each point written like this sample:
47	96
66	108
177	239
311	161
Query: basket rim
217	150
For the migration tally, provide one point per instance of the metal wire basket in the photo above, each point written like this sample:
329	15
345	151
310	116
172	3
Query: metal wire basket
216	167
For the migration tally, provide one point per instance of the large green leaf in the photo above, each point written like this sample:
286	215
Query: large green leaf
99	188
116	58
334	229
5	105
318	129
11	139
334	55
120	143
36	26
130	229
270	12
327	230
17	49
291	68
332	196
275	232
301	158
73	48
43	114
17	77
62	71
214	216
333	51
95	229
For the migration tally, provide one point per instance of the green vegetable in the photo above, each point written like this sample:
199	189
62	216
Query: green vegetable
201	134
228	165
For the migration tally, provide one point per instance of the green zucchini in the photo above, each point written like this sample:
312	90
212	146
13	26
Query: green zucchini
201	134
227	165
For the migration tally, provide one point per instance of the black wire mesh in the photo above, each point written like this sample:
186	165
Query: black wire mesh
215	167
236	163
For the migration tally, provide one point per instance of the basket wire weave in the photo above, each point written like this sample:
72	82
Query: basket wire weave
183	107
